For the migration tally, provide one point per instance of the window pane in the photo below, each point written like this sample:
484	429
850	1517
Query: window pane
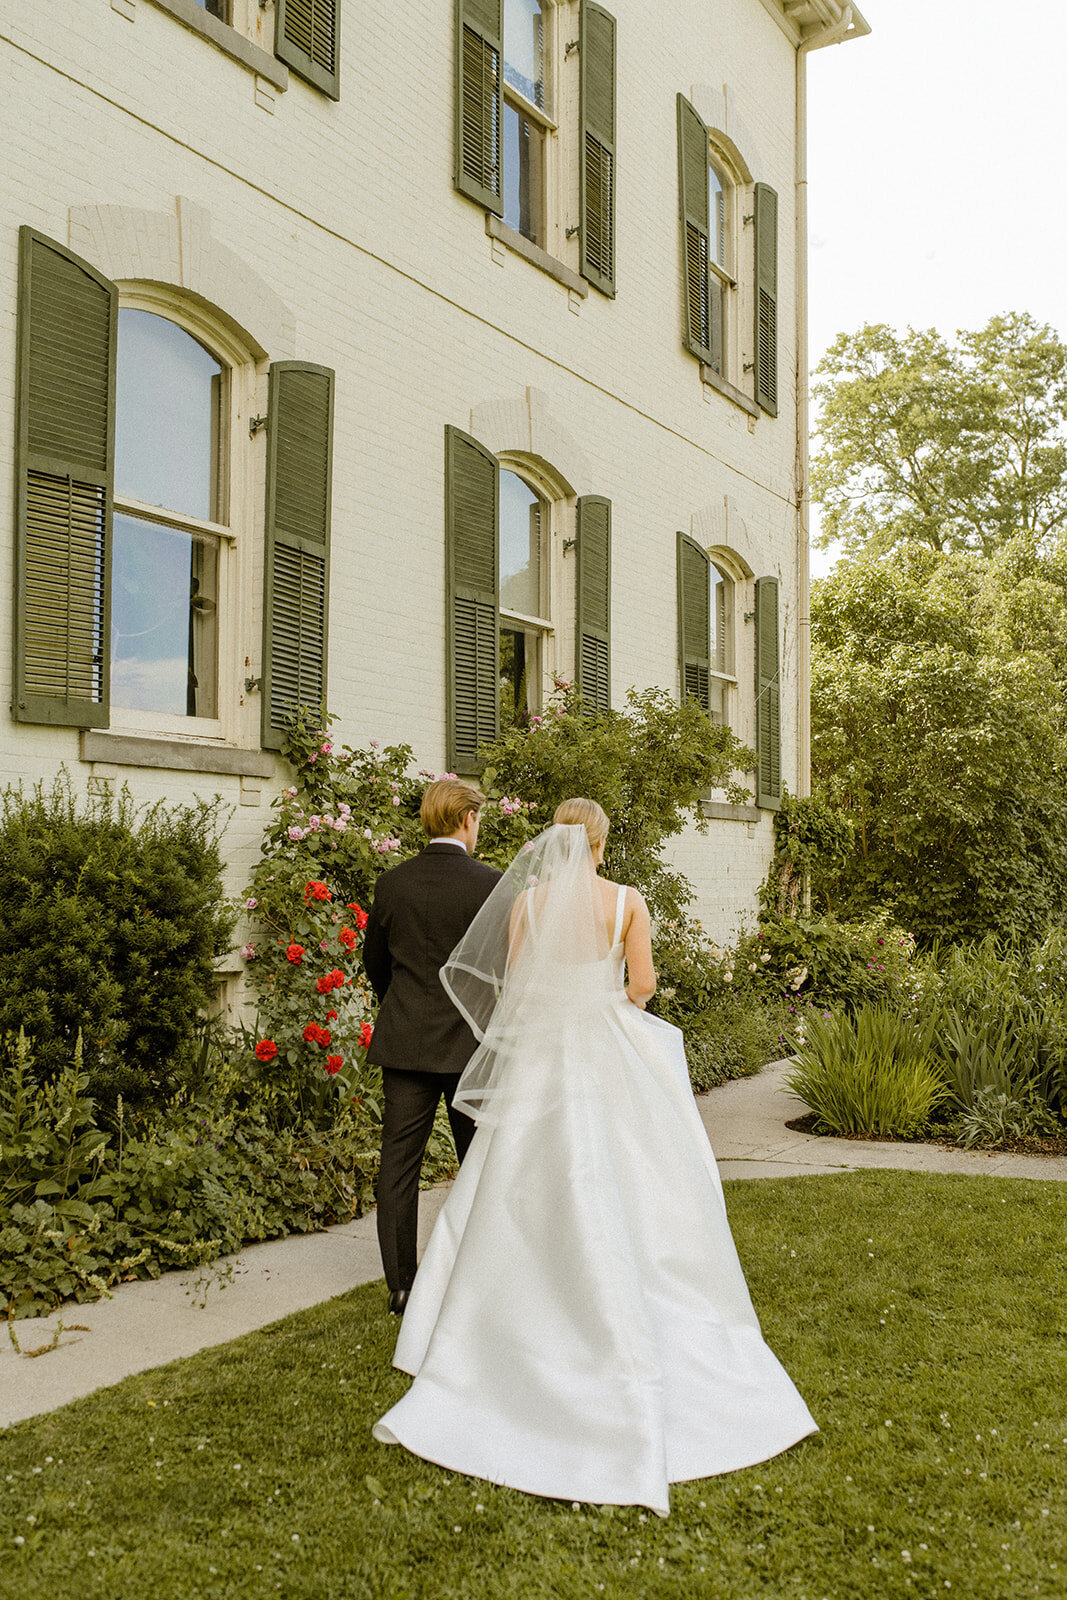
717	217
520	547
167	416
164	600
524	144
524	48
520	675
217	8
722	610
717	700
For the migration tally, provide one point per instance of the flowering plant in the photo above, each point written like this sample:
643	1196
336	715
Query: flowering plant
347	816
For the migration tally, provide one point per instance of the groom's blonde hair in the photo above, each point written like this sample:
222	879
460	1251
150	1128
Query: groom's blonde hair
592	816
446	803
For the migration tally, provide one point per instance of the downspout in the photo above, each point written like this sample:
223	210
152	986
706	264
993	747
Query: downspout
831	35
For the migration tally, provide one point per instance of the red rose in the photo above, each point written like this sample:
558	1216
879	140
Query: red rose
338	978
334	1064
349	938
316	891
295	954
324	1037
366	1034
360	914
331	1016
311	1033
266	1050
324	985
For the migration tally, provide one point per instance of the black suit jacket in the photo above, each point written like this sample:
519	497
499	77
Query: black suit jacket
422	909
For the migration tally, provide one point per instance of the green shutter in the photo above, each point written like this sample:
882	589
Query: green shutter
593	668
768	697
297	546
307	38
480	101
693	200
597	156
67	339
766	229
473	617
694	620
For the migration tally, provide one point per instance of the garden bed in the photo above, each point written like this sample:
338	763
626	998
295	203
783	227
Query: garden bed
1036	1145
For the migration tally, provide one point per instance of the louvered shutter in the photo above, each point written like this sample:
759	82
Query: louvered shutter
593	669
297	553
766	230
768	697
695	213
473	617
67	339
307	38
694	621
597	117
480	101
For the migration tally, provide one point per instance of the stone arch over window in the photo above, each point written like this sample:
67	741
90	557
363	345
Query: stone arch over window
178	248
527	428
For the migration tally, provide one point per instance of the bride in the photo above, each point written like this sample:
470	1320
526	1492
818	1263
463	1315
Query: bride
580	1325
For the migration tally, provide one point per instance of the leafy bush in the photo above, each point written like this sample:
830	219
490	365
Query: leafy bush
994	1118
868	1073
113	919
649	766
832	963
812	842
81	1209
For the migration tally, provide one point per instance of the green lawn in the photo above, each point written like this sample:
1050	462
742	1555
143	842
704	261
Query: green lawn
923	1319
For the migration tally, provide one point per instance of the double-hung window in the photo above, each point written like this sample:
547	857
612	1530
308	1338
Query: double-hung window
170	524
525	123
509	56
525	630
719	278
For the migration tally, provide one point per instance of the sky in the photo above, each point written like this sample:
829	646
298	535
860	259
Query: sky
934	146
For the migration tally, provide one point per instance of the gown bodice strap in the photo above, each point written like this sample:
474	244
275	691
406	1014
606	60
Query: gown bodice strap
620	906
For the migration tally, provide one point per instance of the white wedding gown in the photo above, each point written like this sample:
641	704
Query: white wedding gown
580	1325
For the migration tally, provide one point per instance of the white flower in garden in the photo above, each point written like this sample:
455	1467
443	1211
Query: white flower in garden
296	834
251	903
290	793
766	956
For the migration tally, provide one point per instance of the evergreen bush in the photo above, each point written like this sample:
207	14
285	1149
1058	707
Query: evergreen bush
113	919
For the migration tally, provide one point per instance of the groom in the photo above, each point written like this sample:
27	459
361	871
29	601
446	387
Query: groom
422	908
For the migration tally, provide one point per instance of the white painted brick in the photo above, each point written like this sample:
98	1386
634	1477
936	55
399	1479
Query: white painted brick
332	232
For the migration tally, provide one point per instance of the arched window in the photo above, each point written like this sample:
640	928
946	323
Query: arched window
171	449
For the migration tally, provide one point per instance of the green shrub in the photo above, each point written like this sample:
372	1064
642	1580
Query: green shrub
81	1209
730	1030
649	766
113	919
995	1118
868	1073
830	963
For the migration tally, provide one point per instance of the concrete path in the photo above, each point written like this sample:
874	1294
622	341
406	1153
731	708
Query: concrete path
148	1324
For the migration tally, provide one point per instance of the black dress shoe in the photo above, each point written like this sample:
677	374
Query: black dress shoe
398	1299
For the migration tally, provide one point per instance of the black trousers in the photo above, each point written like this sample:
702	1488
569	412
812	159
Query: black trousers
407	1121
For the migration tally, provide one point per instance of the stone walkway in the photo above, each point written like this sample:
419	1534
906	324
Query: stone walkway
148	1324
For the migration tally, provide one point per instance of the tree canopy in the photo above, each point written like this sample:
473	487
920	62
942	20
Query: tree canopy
953	446
939	728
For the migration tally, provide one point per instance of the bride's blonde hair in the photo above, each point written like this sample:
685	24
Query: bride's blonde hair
593	818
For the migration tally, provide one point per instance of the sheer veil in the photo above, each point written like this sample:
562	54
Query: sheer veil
532	964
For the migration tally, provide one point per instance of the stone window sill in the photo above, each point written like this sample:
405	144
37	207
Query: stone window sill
718	811
534	254
709	376
228	40
174	755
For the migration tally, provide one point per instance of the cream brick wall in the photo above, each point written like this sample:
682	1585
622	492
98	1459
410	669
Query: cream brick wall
332	232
